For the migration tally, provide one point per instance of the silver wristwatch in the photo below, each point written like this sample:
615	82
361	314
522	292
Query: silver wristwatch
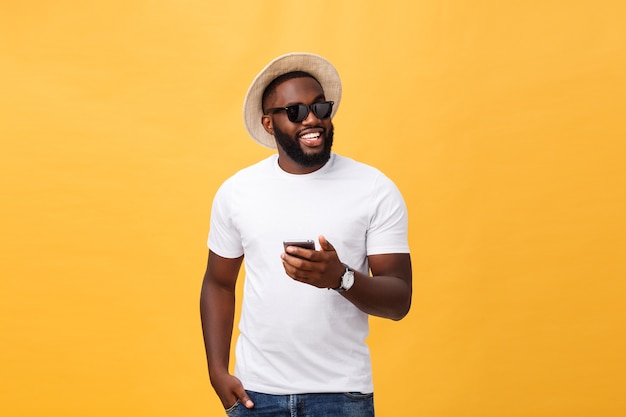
347	280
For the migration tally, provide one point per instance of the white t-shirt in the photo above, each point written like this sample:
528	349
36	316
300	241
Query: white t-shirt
296	338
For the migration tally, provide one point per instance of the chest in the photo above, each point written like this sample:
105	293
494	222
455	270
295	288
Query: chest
302	209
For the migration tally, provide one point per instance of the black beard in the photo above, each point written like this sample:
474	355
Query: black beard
292	148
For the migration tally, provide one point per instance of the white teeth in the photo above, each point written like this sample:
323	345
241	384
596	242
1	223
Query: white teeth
309	136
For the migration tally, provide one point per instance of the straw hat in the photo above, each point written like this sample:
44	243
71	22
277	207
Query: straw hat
315	65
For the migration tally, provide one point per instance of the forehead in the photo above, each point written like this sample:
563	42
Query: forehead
296	90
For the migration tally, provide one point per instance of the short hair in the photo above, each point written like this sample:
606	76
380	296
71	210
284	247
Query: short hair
271	87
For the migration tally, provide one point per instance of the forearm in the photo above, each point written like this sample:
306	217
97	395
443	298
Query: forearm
382	296
217	310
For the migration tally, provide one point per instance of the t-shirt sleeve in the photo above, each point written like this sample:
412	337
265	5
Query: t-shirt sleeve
388	228
224	238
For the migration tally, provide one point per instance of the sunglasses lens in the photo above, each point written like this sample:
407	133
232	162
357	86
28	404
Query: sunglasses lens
297	113
323	110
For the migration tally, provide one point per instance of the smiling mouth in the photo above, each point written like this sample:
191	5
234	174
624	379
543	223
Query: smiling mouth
311	139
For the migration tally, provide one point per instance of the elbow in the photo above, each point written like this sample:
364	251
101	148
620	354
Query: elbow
398	306
401	310
400	314
403	299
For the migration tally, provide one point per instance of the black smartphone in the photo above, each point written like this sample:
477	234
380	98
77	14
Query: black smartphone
306	244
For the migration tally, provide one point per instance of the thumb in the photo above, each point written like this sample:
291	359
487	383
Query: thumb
325	244
245	399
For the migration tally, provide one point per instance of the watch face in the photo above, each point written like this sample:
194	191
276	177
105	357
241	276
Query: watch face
348	280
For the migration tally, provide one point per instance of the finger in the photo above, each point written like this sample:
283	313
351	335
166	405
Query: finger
291	270
325	244
297	252
245	399
247	402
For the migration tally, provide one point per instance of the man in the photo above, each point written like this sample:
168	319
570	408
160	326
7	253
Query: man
304	317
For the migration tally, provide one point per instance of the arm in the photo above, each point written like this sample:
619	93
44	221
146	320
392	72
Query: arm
217	311
387	293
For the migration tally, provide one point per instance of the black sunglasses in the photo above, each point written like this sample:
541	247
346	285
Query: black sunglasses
298	112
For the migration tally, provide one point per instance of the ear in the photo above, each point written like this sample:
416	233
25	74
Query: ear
268	125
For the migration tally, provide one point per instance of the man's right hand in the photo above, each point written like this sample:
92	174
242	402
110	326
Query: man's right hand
230	389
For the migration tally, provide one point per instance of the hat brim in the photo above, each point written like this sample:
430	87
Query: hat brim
315	65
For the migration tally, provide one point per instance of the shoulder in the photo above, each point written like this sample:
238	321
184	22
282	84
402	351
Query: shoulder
361	172
244	179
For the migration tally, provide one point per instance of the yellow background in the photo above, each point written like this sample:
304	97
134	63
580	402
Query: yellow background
501	121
